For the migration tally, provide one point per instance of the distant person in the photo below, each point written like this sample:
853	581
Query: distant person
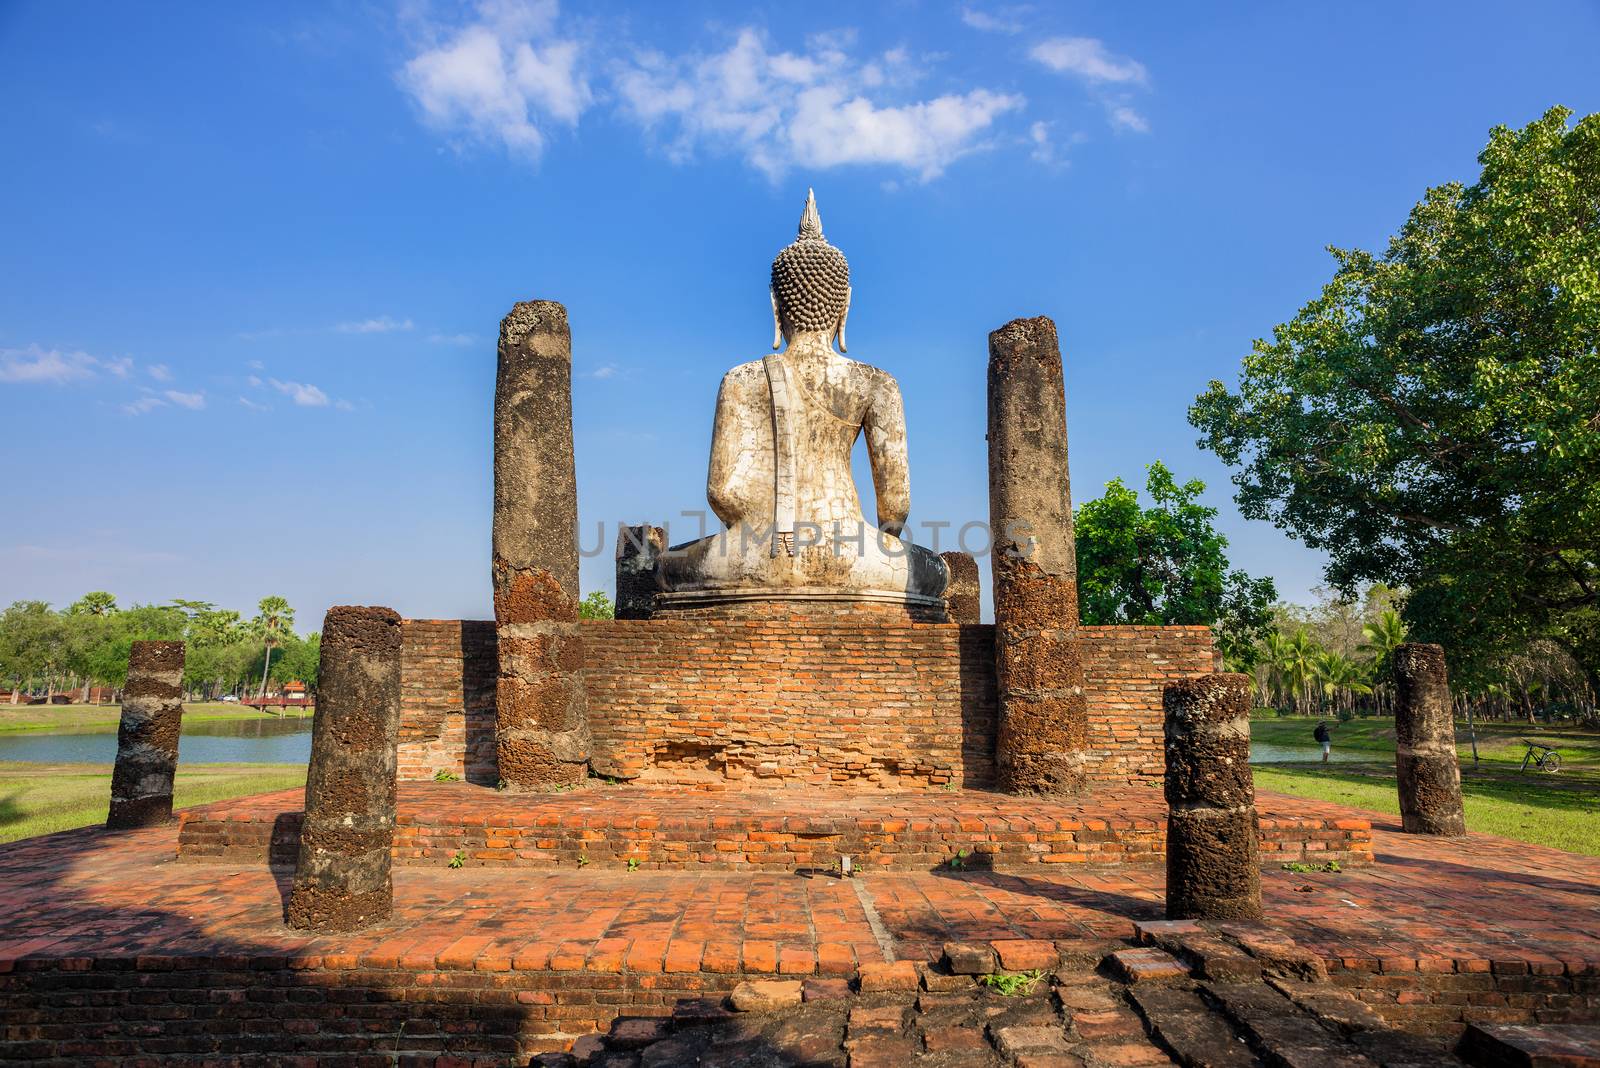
1321	734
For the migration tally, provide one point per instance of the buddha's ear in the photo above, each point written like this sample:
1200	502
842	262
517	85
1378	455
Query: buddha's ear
777	323
844	315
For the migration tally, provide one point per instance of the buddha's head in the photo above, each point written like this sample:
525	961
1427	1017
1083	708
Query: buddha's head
810	284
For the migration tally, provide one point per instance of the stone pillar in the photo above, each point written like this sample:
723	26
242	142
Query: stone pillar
147	739
1212	867
961	597
1044	720
541	718
638	551
343	880
1425	762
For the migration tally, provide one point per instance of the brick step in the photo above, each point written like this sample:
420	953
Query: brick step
459	825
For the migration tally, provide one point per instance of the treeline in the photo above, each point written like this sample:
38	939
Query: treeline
1336	658
44	651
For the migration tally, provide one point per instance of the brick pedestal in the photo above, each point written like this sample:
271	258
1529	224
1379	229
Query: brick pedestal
1212	870
147	738
1425	763
1044	718
343	879
541	719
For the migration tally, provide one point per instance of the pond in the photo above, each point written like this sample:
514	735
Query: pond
250	741
1262	753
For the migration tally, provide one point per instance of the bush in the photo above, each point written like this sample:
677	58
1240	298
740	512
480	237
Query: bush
1345	715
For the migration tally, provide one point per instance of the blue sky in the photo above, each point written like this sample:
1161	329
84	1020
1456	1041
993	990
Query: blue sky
255	255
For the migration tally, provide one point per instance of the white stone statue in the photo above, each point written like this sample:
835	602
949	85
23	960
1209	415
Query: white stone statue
780	476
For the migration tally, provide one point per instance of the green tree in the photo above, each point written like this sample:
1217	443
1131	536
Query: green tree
94	603
299	661
273	622
32	639
1430	419
1166	564
596	606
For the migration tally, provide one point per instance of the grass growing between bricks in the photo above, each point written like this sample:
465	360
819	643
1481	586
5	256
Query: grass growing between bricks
1561	810
44	798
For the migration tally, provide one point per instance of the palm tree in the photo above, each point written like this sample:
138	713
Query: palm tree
1383	637
274	619
1300	665
1342	679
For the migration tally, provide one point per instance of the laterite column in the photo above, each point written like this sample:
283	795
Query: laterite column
1044	718
1425	762
961	597
343	879
147	738
1212	866
541	718
638	552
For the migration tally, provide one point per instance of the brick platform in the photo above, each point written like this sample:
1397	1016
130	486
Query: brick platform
667	829
110	948
789	702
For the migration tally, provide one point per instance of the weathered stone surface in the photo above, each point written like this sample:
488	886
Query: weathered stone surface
147	738
1146	965
970	958
899	975
766	995
1044	720
963	596
639	551
1569	1046
541	721
1425	762
343	880
780	473
1212	867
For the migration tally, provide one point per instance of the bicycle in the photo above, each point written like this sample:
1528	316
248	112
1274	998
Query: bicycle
1546	759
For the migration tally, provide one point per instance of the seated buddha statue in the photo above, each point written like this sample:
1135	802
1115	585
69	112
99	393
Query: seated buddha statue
780	475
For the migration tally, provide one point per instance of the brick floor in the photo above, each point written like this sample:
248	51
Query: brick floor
90	899
1427	904
653	827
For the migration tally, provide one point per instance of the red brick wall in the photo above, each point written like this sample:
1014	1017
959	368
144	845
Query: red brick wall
725	703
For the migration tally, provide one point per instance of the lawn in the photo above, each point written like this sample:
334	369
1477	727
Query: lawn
89	719
45	798
1560	810
1499	744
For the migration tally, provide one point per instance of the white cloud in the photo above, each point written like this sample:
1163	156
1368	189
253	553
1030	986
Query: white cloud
46	366
159	371
147	403
302	393
381	325
254	406
121	366
344	406
607	371
500	78
192	401
1125	118
814	109
1002	20
1087	58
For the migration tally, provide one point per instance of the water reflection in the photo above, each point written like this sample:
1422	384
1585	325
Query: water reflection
240	741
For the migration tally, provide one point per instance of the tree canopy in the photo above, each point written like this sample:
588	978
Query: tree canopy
1432	419
1166	564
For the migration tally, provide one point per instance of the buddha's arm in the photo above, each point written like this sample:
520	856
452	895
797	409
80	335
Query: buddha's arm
885	427
735	444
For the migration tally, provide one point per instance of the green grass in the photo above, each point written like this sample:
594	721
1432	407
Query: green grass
45	798
1562	810
94	719
1499	744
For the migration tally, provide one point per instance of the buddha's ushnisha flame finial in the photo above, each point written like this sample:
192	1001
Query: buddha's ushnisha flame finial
811	220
